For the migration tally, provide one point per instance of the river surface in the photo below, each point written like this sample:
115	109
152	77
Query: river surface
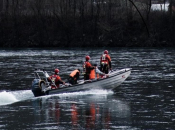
146	100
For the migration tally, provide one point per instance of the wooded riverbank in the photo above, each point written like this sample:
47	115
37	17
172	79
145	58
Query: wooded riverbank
88	25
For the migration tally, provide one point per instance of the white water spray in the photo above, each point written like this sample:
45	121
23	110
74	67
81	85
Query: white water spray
90	92
14	96
7	98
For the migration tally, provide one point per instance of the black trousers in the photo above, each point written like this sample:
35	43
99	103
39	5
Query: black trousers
86	76
72	80
104	68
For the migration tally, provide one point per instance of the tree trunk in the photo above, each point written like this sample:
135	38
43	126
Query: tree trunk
141	17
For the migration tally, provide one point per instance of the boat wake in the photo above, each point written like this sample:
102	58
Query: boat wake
89	92
14	96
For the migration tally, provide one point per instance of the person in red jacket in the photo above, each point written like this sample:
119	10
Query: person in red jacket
55	80
87	68
105	62
74	76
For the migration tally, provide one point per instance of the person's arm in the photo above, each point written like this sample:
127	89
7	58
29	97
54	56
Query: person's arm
62	82
99	72
77	75
49	79
109	61
59	80
90	66
110	65
100	59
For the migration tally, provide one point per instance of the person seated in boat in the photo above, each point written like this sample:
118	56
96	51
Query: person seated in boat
74	76
105	62
96	73
87	68
55	80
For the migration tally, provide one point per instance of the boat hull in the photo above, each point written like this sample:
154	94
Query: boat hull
115	79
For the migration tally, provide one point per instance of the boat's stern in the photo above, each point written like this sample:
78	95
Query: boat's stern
36	89
39	82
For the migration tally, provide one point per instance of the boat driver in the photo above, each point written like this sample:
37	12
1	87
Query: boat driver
55	80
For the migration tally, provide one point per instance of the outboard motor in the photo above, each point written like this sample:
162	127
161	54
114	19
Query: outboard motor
39	83
36	88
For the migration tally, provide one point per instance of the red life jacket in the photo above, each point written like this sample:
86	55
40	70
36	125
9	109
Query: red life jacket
55	81
93	75
87	67
104	59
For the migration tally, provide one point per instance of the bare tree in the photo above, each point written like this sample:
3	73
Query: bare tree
141	17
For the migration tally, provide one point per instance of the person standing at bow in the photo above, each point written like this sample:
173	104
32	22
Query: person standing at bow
87	68
74	76
105	62
55	80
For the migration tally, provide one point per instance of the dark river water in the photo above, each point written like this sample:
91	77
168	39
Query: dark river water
144	101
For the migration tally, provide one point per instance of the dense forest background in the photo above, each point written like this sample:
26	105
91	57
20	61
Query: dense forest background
86	23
